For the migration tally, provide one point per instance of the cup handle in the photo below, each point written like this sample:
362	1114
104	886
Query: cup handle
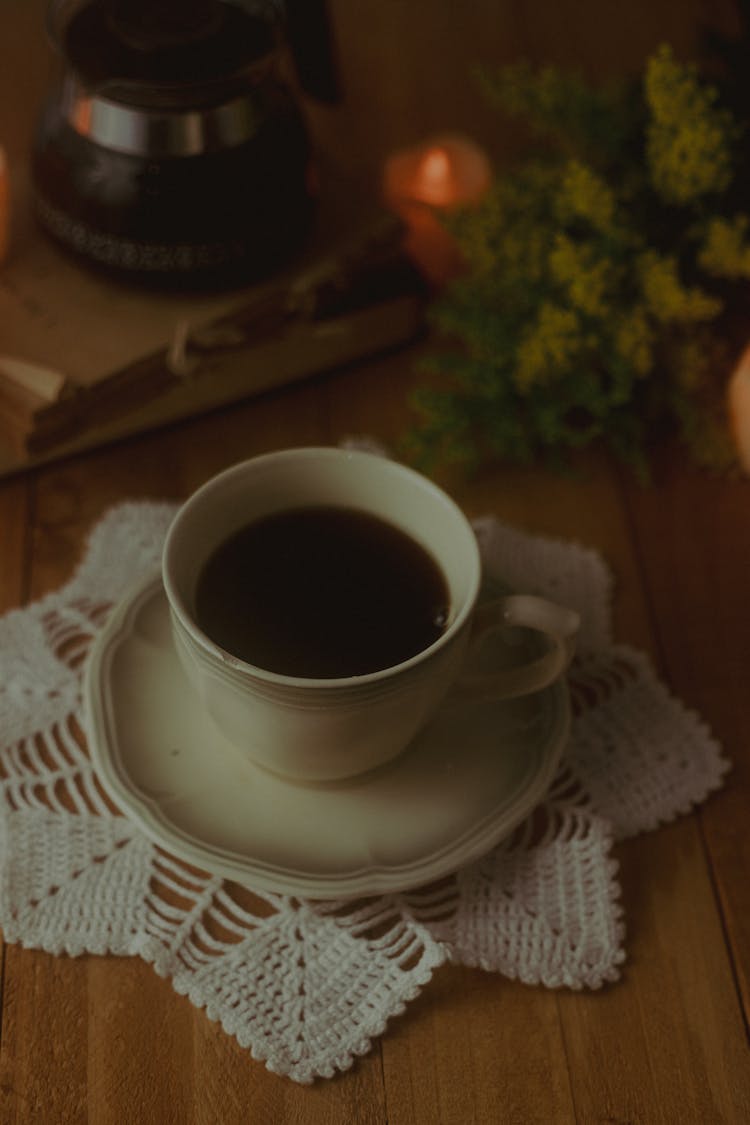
558	624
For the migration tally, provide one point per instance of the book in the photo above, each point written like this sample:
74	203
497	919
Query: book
363	298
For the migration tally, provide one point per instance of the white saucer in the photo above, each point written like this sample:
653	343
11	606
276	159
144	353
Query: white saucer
461	787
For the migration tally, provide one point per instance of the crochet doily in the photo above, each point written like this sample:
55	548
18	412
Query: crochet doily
306	985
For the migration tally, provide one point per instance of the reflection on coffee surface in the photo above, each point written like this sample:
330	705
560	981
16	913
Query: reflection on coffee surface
321	592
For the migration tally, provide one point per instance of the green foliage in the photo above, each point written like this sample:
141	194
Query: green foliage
602	272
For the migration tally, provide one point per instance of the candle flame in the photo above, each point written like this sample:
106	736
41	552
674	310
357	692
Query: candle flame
436	166
436	178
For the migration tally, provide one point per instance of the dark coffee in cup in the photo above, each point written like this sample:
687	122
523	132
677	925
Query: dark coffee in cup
322	592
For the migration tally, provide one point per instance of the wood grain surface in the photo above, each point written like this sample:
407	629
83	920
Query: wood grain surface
105	1040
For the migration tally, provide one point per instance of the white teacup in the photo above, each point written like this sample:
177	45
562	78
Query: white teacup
324	729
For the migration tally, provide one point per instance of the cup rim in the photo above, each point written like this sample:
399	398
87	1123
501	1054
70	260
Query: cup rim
214	650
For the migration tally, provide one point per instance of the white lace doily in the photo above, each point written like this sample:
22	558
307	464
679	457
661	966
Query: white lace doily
306	985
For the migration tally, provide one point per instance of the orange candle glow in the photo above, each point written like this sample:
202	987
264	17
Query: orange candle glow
4	206
738	404
441	175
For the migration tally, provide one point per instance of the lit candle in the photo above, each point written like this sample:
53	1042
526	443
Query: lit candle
441	175
738	402
4	206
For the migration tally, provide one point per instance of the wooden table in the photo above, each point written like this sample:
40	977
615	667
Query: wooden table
106	1040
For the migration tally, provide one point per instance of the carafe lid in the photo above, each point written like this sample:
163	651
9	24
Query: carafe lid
165	53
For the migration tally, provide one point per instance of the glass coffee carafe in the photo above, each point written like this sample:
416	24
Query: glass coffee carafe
173	149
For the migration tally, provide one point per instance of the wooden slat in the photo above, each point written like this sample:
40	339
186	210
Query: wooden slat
15	502
694	536
15	498
456	1057
139	1042
43	1064
667	1043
